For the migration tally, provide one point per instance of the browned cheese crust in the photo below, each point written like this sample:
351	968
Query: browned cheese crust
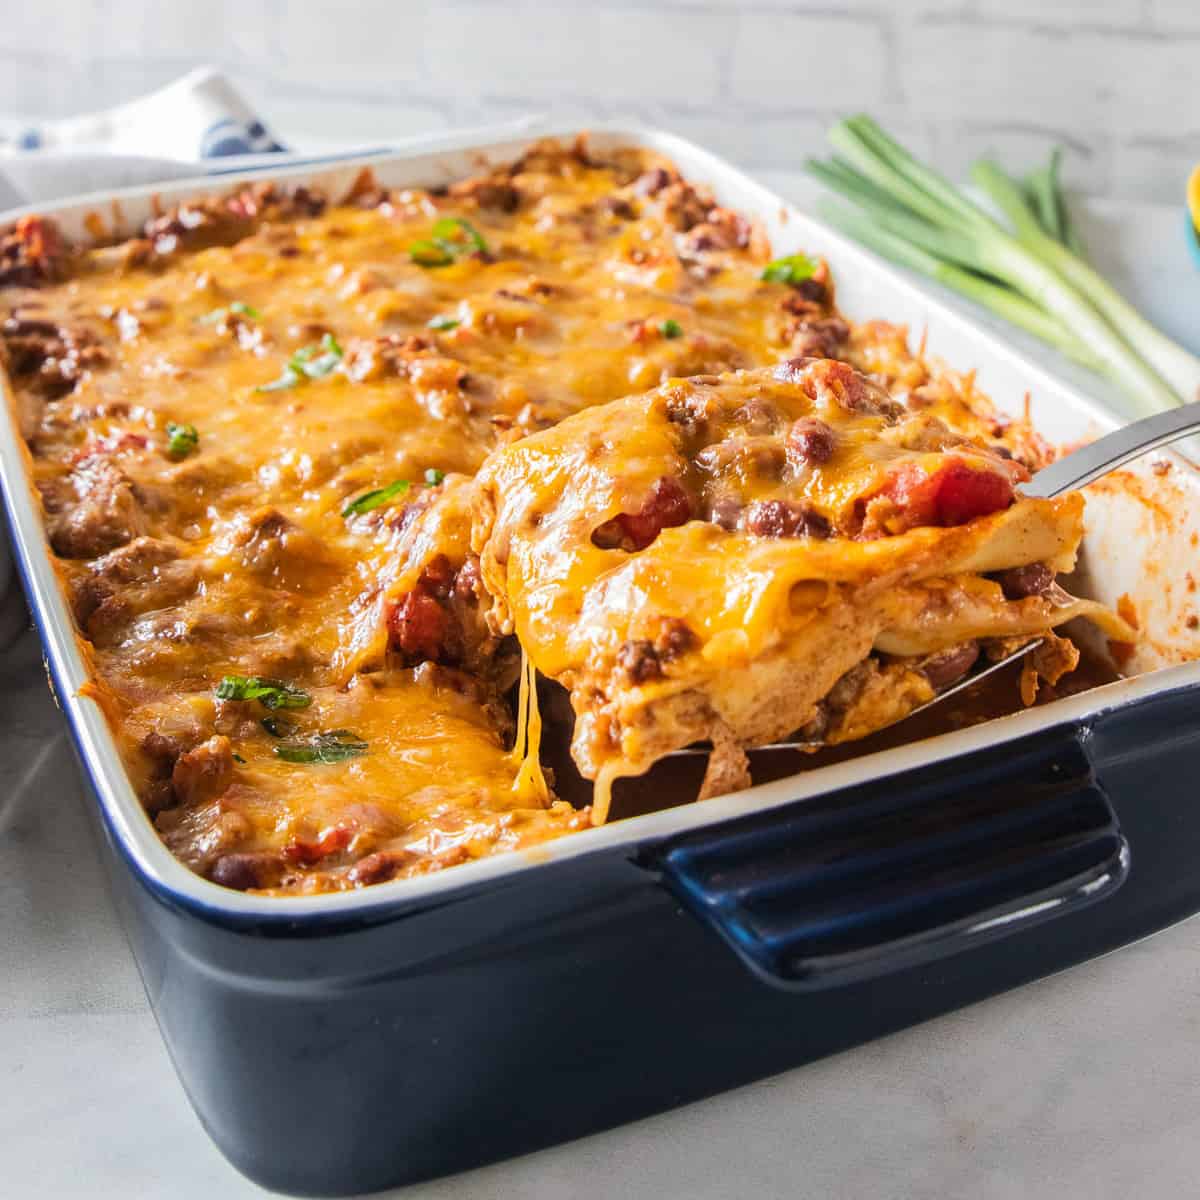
254	429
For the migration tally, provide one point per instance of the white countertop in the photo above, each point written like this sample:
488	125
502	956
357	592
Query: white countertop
1080	1085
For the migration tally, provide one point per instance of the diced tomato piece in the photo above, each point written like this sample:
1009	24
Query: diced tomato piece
954	494
307	854
668	504
912	490
419	626
964	493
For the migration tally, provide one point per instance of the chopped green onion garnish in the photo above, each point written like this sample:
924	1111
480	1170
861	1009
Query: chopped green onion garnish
793	269
452	238
457	231
288	379
444	323
237	758
433	476
376	499
428	253
317	361
239	308
270	693
671	328
329	746
181	439
310	362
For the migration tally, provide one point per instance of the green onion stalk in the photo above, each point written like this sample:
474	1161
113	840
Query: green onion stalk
1028	274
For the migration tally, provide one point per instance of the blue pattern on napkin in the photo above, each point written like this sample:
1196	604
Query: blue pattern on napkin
229	136
199	116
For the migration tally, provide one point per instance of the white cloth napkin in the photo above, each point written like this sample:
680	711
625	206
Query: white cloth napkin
174	131
201	115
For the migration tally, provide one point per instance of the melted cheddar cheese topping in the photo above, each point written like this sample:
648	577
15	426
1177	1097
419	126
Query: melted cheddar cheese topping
254	430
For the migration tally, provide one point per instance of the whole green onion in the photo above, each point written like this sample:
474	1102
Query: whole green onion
1026	272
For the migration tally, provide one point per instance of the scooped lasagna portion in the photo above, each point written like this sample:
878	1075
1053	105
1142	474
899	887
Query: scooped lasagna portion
733	558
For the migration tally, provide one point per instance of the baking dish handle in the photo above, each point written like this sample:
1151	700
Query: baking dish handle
907	869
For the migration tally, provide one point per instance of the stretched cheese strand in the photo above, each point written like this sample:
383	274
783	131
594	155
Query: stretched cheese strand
522	739
602	791
530	783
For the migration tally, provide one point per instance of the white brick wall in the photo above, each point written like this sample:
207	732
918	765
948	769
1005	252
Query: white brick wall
538	52
1115	81
798	61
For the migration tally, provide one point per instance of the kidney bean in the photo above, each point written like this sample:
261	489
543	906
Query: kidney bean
810	440
785	518
247	869
949	666
1031	580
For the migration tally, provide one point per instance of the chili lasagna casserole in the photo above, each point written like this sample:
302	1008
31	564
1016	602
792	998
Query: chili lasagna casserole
328	479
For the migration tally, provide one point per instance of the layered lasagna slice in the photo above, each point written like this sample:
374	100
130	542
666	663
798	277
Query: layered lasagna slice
734	558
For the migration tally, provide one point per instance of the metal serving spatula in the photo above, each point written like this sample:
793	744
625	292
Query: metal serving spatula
1075	470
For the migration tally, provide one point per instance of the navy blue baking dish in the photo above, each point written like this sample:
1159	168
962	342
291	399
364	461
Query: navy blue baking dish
352	1050
337	1044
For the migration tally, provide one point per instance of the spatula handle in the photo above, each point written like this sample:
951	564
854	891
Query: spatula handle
1114	450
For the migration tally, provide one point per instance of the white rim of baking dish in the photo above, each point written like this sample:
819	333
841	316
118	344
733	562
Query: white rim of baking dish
130	824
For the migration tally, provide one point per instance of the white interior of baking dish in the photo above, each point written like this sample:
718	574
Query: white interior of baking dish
1143	524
